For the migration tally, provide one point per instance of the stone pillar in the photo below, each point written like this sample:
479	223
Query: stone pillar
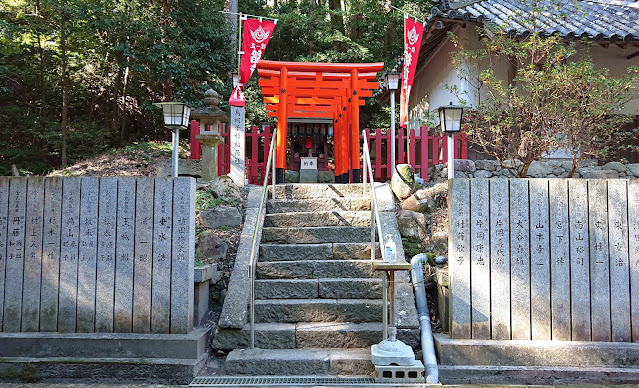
209	155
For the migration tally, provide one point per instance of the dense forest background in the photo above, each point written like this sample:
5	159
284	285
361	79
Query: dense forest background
78	77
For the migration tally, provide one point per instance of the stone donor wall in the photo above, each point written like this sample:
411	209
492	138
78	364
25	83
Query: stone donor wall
544	259
89	254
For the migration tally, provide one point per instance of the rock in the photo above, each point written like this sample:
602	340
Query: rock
482	174
424	200
220	216
490	165
558	171
210	246
291	176
411	224
464	165
566	165
403	187
595	173
539	169
617	166
505	173
224	188
554	163
633	168
326	177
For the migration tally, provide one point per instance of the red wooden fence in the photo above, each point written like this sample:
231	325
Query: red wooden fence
423	151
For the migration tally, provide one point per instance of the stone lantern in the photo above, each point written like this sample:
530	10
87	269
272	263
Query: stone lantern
210	115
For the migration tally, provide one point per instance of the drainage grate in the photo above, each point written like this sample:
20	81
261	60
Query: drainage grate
266	381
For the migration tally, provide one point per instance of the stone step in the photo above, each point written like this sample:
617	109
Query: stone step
311	269
318	310
337	334
321	204
319	218
352	288
309	191
324	251
299	362
327	234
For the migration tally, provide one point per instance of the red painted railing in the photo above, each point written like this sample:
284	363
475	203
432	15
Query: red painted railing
423	150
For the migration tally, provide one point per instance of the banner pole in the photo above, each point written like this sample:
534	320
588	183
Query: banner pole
239	42
406	96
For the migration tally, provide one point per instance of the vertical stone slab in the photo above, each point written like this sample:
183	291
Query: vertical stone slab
238	135
143	256
500	259
51	243
540	259
599	259
183	255
520	259
69	255
459	263
33	255
633	231
15	254
579	260
559	260
619	263
480	258
162	232
123	306
107	232
4	221
88	251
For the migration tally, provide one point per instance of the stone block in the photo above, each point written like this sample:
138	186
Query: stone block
4	222
206	273
520	258
143	255
125	248
539	169
633	168
490	165
360	310
161	279
351	288
500	259
423	200
211	246
350	362
14	263
315	235
599	260
360	251
592	173
291	176
559	260
87	265
308	176
220	216
105	277
286	289
69	255
617	166
482	174
308	269
480	258
412	224
403	181
540	259
34	224
319	218
633	227
289	252
296	310
200	301
619	260
579	260
337	334
326	176
223	187
267	336
302	362
186	167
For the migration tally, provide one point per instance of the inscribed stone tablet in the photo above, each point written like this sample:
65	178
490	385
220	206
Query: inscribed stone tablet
88	251
633	227
499	259
520	259
33	255
143	256
69	254
459	263
619	266
579	260
4	221
559	260
599	259
105	287
51	242
182	255
162	226
15	254
540	259
123	307
480	258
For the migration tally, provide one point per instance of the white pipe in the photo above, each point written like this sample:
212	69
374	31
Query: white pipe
175	155
428	347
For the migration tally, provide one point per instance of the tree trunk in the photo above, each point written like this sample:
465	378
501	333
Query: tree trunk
115	95
123	129
65	89
336	21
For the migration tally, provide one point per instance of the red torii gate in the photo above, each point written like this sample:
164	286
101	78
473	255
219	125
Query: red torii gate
319	90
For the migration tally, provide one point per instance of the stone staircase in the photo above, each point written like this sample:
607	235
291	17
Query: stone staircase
318	301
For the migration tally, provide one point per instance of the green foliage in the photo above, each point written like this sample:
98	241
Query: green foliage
205	200
556	98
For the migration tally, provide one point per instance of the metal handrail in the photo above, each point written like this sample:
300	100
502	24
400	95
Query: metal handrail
368	172
258	223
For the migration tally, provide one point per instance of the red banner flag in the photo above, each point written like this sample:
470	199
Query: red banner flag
413	39
256	36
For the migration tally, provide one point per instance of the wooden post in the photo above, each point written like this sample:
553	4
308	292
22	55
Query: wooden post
355	164
282	125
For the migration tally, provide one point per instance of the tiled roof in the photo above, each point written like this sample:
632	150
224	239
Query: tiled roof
615	21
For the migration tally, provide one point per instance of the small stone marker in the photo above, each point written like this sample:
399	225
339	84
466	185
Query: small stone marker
123	307
500	259
559	260
520	259
105	280
480	258
69	255
87	264
540	259
33	254
4	221
51	254
143	256
15	254
633	228
619	265
161	281
459	263
183	255
579	260
599	260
